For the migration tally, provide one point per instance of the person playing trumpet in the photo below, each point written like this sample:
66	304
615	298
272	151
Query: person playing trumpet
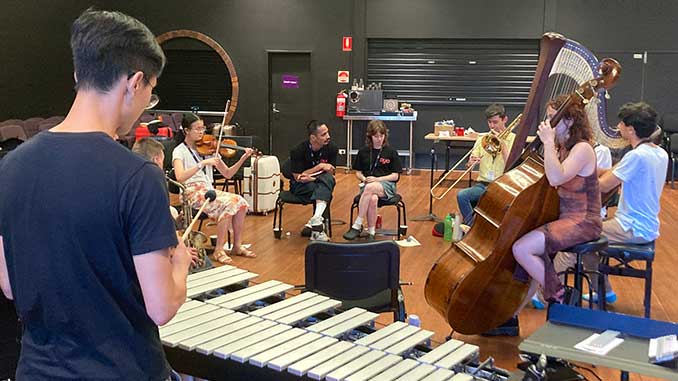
491	155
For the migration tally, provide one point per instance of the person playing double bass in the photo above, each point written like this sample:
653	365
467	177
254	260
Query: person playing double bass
570	165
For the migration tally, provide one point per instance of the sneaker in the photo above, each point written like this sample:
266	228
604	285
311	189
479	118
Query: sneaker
306	231
370	238
610	297
316	224
351	234
509	328
537	304
319	236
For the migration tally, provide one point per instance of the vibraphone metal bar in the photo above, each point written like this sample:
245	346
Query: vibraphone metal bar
209	280
209	340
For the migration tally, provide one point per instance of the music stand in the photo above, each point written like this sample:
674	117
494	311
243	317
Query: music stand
430	216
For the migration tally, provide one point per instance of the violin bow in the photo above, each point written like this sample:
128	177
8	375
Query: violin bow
221	129
223	121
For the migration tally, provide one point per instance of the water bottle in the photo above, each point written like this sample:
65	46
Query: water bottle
414	320
448	228
457	233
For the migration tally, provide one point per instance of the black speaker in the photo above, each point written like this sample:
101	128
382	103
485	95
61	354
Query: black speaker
365	101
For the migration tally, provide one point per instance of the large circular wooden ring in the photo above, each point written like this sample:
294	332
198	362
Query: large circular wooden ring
222	53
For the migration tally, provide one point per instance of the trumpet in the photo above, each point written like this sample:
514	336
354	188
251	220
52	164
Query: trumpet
491	144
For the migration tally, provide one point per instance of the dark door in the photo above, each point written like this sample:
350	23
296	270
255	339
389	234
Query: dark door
660	81
290	96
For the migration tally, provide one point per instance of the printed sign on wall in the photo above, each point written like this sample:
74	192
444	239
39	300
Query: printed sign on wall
342	76
347	44
290	81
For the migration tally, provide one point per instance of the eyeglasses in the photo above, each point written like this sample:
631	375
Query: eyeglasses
198	129
155	99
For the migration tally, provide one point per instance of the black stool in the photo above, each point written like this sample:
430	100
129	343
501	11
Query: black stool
578	270
396	201
236	181
202	219
287	197
625	253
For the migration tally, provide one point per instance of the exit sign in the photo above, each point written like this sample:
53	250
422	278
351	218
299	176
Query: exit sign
347	44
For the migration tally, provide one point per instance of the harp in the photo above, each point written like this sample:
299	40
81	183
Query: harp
563	66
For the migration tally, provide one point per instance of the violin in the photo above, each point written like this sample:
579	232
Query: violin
207	146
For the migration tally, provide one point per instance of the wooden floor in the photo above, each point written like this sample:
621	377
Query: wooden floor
284	260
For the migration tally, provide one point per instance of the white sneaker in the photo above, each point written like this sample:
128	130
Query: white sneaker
316	223
319	236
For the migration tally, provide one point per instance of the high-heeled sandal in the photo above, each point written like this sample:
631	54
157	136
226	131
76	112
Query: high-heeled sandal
570	297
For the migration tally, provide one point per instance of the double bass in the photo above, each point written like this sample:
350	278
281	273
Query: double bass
472	284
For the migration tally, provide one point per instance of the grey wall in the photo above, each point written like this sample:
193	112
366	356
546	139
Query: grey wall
246	30
36	78
613	28
36	73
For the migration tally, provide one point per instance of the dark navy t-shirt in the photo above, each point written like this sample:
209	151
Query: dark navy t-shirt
377	162
302	157
74	210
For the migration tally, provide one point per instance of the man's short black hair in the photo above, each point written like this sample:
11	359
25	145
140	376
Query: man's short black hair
495	109
107	45
641	116
312	126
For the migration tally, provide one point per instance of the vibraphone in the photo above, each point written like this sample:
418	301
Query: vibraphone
256	333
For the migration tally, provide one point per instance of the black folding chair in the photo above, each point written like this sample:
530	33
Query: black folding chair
365	275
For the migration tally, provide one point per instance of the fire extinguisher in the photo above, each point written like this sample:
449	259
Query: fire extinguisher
341	104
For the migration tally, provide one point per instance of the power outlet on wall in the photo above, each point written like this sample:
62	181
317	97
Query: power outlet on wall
342	151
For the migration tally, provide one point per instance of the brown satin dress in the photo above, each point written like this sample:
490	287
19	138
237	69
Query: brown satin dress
579	221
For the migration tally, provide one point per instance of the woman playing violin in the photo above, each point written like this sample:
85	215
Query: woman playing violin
570	165
196	172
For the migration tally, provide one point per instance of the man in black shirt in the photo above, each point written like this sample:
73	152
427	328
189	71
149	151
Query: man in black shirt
378	168
88	249
313	162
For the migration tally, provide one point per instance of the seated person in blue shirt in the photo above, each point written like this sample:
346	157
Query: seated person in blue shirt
641	173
